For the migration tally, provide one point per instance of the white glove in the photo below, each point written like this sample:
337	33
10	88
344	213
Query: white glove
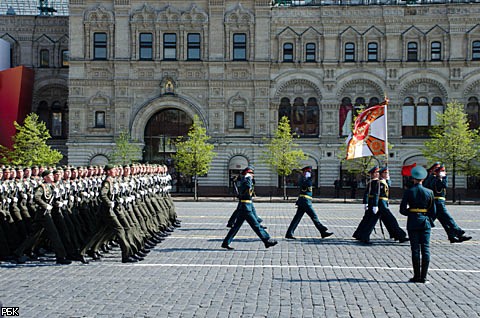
112	204
308	174
49	207
443	174
59	204
365	207
121	200
15	199
375	209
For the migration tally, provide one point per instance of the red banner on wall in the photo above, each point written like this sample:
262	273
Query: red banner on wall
16	86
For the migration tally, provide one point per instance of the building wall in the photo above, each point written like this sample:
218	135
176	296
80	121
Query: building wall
130	91
28	36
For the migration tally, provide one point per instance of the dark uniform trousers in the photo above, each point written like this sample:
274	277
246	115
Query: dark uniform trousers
246	213
305	206
417	204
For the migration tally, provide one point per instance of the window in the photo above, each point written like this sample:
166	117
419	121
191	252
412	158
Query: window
99	119
473	112
372	52
288	52
146	46
65	58
239	47
476	50
412	52
56	128
345	117
193	46
170	46
303	118
100	46
310	52
44	58
436	48
374	101
418	118
349	52
239	120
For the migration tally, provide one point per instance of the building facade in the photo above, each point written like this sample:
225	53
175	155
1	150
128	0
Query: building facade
41	43
148	67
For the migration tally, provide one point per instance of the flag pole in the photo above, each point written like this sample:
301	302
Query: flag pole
386	131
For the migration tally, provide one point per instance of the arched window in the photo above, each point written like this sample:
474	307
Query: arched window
303	118
288	52
285	109
419	118
372	52
349	52
476	50
436	51
345	117
373	101
412	52
473	112
310	52
42	112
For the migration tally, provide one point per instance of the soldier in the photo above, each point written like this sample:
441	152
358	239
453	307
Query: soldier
43	222
418	205
386	216
438	184
246	213
370	203
110	225
304	204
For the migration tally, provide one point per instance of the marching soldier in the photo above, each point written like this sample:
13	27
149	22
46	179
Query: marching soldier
418	205
370	203
246	213
43	222
304	204
438	183
386	216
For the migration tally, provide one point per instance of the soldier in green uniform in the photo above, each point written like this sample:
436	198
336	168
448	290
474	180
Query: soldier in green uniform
304	204
43	222
419	207
438	184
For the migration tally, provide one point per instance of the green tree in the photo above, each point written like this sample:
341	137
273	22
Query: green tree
30	145
452	142
125	152
281	154
194	153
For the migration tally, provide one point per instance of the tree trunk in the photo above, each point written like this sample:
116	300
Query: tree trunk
453	182
195	187
284	187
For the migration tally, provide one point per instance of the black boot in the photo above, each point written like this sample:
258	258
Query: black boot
416	271
423	275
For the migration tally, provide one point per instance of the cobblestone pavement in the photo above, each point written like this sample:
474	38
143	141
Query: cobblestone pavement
189	275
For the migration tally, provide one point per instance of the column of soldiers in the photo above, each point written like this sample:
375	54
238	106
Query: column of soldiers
78	212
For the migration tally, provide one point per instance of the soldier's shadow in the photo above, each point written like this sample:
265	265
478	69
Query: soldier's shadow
346	280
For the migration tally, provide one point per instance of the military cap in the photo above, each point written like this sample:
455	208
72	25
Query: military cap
46	173
382	170
248	169
419	173
434	166
307	168
440	168
108	167
374	169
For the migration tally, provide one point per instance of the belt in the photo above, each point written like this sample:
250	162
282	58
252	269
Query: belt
383	198
440	198
246	201
305	196
371	196
418	210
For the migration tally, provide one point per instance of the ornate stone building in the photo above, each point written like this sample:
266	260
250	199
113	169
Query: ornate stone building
41	43
148	67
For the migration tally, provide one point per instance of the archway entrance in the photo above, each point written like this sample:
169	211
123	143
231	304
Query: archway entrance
161	131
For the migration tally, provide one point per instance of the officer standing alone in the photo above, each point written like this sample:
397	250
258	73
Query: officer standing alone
419	207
